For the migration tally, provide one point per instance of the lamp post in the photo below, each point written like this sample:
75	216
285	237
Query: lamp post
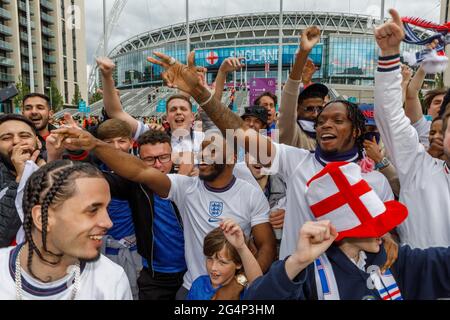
280	52
188	31
105	31
51	97
30	46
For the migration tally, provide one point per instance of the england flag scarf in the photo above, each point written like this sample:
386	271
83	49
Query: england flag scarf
327	288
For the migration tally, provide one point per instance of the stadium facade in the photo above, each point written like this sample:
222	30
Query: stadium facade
347	54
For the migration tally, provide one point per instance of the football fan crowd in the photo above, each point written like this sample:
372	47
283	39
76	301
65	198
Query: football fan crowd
322	200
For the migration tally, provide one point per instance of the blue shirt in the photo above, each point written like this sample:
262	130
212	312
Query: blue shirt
202	289
168	243
120	214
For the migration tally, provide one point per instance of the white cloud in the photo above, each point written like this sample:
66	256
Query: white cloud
143	15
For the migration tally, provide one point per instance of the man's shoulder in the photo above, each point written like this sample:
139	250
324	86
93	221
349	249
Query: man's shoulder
374	176
240	182
5	252
180	179
292	149
5	175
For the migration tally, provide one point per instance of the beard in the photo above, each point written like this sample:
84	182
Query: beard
218	169
44	122
90	260
6	160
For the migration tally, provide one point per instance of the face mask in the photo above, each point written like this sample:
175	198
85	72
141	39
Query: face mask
308	126
370	135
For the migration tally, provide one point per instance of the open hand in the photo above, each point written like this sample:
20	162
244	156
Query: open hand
177	75
231	64
406	73
233	233
75	139
373	150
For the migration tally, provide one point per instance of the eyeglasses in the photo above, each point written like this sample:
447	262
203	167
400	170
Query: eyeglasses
313	109
164	158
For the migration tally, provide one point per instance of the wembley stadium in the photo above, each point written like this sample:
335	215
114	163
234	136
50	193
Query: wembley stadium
347	54
346	57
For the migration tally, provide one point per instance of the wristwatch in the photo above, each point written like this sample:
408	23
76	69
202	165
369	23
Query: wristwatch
242	280
382	164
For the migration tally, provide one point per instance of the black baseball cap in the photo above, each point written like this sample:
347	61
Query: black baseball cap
257	112
313	91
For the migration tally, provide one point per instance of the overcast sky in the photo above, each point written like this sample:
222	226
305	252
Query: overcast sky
143	15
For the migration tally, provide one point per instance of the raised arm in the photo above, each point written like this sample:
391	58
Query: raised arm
287	119
185	78
400	138
233	233
228	65
413	108
111	99
406	78
123	164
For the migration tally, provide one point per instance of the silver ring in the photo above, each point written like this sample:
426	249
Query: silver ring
172	61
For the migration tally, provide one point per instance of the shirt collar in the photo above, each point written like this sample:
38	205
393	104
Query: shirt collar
361	264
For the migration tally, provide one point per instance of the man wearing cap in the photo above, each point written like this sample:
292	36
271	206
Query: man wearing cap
424	180
340	256
300	107
256	117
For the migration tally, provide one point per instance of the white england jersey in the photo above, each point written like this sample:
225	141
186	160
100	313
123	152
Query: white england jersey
100	280
203	208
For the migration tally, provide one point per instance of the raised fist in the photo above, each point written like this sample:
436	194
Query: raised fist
106	66
314	239
310	37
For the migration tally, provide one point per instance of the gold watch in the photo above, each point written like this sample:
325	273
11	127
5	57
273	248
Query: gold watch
242	280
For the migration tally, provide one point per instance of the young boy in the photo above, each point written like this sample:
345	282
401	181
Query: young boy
328	265
227	259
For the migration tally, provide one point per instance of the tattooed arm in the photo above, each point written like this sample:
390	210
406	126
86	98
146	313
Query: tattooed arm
185	78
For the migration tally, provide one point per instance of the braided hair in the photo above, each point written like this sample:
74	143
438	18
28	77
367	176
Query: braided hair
49	187
356	118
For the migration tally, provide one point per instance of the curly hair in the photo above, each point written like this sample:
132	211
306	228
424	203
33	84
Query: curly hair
356	118
50	187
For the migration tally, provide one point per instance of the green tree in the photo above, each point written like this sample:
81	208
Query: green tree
56	97
96	96
439	80
23	90
76	96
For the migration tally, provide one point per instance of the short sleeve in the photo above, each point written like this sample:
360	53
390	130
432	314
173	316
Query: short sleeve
261	209
178	186
383	189
286	160
141	129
